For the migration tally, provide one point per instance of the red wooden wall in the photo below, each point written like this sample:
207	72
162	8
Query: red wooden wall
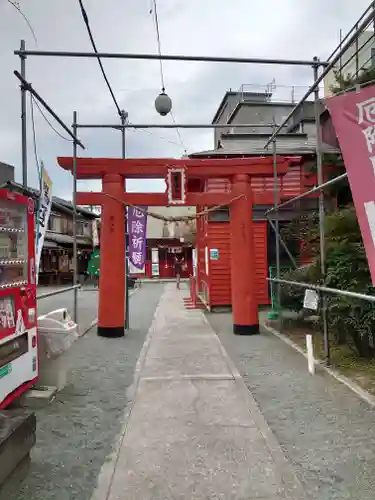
218	236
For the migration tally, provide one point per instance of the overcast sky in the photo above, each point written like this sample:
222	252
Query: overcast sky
294	29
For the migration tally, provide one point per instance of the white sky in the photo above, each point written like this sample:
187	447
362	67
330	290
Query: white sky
288	29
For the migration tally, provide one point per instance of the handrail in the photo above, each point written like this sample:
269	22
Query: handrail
57	292
335	291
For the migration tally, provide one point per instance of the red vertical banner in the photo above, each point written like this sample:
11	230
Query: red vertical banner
353	116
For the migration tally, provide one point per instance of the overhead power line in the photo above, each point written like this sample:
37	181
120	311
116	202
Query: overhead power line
87	23
154	11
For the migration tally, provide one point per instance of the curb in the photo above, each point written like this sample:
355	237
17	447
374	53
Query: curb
353	386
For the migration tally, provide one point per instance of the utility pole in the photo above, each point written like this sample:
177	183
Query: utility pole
23	116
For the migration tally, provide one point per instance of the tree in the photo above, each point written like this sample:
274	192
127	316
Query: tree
93	266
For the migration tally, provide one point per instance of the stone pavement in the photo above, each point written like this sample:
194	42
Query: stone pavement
194	431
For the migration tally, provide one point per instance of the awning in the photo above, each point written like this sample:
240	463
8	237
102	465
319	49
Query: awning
49	244
64	239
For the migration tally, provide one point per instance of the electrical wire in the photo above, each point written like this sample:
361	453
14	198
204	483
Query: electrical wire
87	23
17	6
154	11
48	122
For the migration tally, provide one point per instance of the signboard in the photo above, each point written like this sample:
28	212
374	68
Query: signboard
95	233
44	211
353	116
214	254
135	270
155	269
137	223
311	300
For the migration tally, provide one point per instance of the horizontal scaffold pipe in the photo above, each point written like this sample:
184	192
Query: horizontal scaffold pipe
168	57
324	289
307	193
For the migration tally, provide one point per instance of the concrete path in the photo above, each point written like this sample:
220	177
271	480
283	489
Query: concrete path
194	431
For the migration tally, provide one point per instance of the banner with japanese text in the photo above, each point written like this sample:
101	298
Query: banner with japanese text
353	117
137	225
44	211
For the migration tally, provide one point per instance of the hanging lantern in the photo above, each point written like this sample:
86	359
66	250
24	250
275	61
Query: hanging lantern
163	104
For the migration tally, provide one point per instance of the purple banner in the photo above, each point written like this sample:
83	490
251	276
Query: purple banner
137	224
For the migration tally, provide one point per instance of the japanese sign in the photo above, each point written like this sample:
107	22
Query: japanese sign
44	211
353	116
137	223
214	253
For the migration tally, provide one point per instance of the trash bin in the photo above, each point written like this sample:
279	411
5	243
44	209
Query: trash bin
56	334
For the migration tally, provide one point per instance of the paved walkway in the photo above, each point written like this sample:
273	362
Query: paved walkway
194	431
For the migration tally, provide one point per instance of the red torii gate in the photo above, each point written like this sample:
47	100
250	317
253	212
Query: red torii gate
181	177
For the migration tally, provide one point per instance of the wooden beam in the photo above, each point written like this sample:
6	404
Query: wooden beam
150	168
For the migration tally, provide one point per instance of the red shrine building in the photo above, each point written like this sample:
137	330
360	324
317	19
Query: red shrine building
296	145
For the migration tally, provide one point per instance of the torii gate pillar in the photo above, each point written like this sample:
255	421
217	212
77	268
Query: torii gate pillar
244	300
111	314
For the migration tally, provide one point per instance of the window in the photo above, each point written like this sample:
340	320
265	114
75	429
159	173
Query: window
373	57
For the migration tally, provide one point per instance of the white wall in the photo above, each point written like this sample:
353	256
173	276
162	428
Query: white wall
155	226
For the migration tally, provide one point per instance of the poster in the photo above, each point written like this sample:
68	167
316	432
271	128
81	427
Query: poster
44	211
353	117
95	233
137	225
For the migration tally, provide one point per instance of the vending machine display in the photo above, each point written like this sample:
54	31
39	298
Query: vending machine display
18	317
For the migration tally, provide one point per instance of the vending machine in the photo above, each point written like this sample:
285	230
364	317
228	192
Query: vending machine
18	316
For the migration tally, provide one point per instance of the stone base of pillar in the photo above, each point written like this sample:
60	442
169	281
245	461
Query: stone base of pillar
246	329
113	332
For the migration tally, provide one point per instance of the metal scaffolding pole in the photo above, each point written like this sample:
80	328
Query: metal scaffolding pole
320	187
32	91
282	242
352	39
124	117
75	263
23	116
319	165
178	125
276	192
169	57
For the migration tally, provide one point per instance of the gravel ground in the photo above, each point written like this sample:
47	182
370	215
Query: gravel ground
76	432
326	431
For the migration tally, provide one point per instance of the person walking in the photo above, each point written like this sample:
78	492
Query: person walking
178	263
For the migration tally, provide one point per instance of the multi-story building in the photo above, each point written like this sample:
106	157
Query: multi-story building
297	142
